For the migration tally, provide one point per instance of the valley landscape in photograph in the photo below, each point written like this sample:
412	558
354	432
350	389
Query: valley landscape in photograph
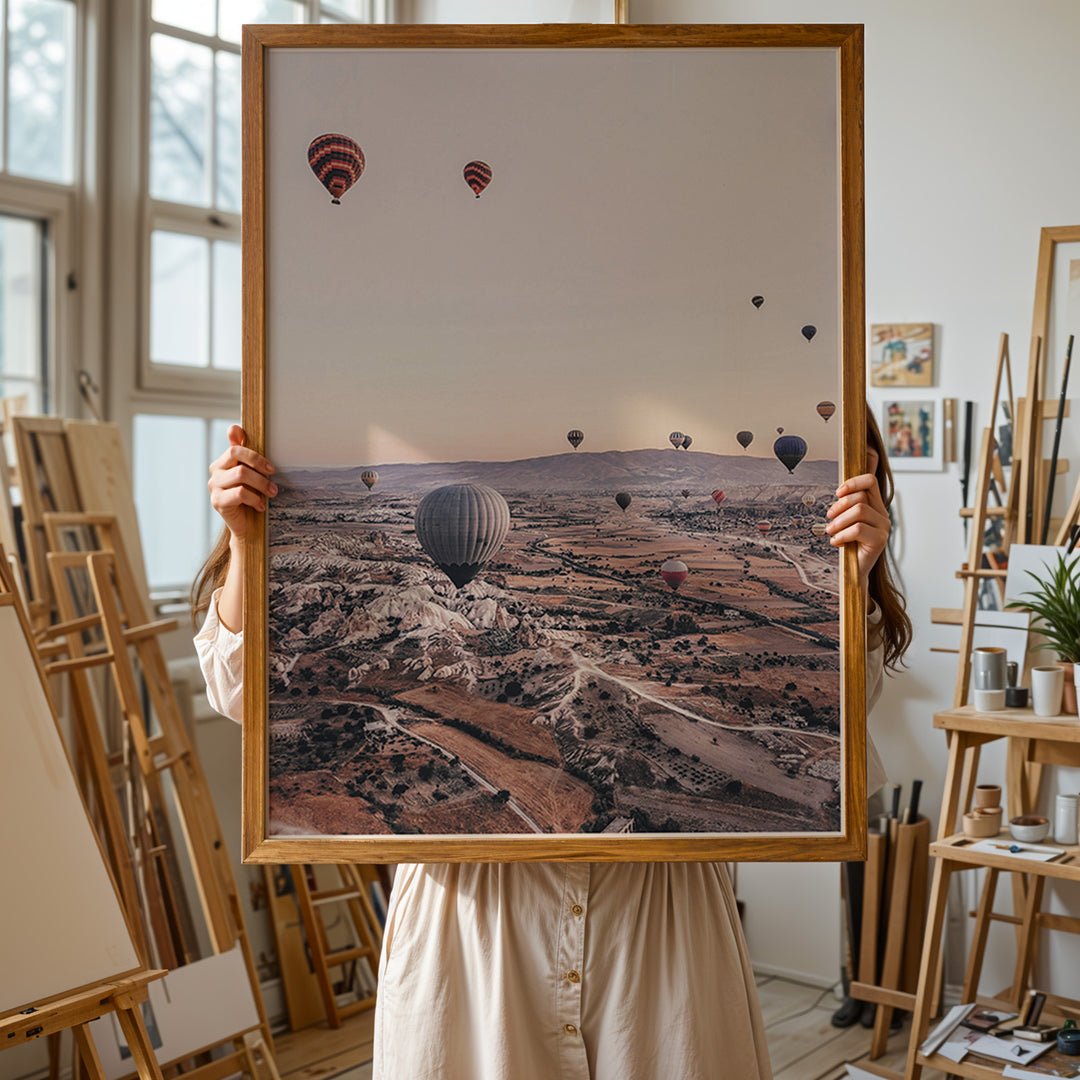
568	687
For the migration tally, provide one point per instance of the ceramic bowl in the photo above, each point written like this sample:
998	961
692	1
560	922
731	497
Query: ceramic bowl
989	700
981	826
987	795
1029	828
989	813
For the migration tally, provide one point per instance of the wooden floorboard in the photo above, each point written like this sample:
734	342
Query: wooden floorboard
803	1044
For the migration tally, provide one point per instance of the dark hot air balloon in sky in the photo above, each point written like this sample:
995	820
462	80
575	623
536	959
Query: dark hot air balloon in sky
477	175
745	438
676	439
779	431
808	332
685	493
674	573
575	437
718	496
790	449
825	409
623	499
686	441
757	301
370	478
337	162
461	526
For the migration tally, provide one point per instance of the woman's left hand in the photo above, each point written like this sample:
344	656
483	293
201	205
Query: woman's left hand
859	516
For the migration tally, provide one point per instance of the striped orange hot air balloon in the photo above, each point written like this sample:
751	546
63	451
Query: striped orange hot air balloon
477	175
825	409
337	162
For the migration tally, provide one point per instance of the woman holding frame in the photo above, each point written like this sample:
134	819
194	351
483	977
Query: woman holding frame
597	971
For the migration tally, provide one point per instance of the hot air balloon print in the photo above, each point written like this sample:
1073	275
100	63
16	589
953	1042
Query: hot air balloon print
718	497
685	493
623	499
370	478
744	438
825	409
808	332
477	175
674	573
686	441
676	439
337	162
757	301
790	450
779	431
808	501
461	527
575	437
764	527
818	528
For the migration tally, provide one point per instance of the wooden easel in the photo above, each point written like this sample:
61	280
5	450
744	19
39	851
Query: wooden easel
352	895
121	992
126	630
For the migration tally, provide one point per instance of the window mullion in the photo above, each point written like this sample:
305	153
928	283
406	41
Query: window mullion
5	38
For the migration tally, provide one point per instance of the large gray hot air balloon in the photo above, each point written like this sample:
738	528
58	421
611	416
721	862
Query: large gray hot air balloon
462	526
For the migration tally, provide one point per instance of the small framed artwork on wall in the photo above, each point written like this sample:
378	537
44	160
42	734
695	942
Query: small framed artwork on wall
913	436
902	354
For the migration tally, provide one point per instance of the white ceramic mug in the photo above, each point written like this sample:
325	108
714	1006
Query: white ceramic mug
1047	687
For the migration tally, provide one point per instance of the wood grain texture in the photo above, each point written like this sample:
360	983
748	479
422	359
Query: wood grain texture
847	40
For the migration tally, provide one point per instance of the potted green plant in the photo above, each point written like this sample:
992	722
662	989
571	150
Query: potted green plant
1055	605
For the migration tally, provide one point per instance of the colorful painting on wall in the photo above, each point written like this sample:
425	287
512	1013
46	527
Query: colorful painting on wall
556	423
912	430
902	354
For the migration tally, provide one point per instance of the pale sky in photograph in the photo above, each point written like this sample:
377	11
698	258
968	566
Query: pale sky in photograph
602	281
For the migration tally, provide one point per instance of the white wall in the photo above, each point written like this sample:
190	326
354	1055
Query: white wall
971	147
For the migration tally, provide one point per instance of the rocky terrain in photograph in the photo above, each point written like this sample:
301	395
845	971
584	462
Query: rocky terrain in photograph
566	688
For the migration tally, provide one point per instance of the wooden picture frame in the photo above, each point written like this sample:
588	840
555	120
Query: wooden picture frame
284	75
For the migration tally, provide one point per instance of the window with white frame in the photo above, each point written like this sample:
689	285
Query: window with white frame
37	174
192	325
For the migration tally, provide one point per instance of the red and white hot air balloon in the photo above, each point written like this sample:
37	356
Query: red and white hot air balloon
674	573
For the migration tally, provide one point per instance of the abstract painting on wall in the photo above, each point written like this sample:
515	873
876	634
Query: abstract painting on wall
902	354
556	395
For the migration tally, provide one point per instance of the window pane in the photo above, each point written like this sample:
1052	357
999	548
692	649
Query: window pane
357	10
226	344
20	388
234	13
219	439
179	120
196	15
170	496
227	187
39	97
20	298
179	299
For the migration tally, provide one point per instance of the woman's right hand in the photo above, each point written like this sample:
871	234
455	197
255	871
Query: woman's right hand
239	483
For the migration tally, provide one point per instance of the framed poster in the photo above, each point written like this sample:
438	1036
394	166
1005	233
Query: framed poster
912	429
902	354
555	337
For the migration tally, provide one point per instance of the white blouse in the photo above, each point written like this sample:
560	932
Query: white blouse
556	971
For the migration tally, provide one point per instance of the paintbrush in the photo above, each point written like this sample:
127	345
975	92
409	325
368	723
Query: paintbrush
1057	440
969	419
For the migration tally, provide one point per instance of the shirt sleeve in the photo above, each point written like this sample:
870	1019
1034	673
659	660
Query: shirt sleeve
221	657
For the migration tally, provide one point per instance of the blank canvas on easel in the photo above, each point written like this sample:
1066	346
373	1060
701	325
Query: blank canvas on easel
63	924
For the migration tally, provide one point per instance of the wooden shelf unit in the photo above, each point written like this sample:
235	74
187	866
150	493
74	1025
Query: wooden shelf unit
1033	742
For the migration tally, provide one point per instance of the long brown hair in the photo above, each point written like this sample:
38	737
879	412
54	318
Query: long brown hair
211	576
895	629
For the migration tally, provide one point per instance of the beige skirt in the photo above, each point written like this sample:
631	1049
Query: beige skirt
566	971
